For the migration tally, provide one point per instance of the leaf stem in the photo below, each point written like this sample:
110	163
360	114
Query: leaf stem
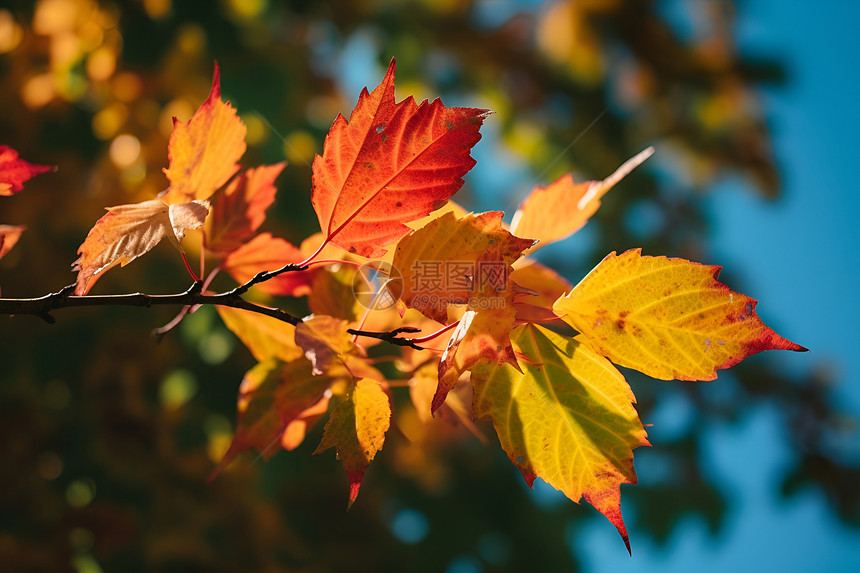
191	272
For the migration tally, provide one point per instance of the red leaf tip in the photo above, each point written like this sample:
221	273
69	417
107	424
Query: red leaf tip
215	92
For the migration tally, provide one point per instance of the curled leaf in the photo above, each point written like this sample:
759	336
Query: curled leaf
129	231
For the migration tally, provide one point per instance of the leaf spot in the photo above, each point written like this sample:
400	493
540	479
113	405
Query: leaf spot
380	128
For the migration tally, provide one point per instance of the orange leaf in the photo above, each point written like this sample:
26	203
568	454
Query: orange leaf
204	152
295	432
267	253
457	406
668	318
265	336
15	171
439	262
557	211
240	209
9	235
481	335
324	338
272	395
356	429
128	231
543	284
389	164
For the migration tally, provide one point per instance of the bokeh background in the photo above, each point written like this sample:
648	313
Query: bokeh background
107	437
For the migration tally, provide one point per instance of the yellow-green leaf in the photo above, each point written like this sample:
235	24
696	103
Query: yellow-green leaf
668	318
567	418
356	429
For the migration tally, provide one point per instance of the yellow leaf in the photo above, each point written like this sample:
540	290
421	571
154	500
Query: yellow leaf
668	318
356	429
566	418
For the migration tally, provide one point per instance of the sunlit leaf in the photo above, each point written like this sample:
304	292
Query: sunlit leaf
323	339
272	395
129	231
668	318
204	153
265	336
567	418
391	163
439	262
240	209
267	253
356	429
557	211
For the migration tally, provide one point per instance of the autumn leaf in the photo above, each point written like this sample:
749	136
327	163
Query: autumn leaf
14	171
356	429
128	231
265	336
540	286
389	164
324	339
272	395
567	418
458	404
438	262
267	253
481	334
9	235
240	209
668	318
204	152
295	432
557	211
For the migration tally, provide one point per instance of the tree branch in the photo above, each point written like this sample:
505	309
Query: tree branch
43	306
390	336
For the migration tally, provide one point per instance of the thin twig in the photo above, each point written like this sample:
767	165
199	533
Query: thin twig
390	336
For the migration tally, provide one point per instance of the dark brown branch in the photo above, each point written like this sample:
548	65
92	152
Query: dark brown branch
43	306
263	276
391	336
